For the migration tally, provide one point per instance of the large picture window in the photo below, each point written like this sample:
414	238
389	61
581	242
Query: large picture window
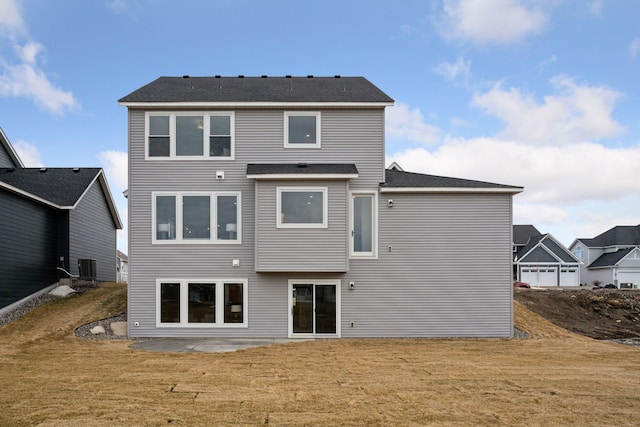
202	303
190	135
302	129
302	207
187	217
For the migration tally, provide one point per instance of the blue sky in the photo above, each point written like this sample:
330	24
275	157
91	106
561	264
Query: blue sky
542	94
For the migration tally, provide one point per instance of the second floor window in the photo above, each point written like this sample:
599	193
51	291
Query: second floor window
301	129
188	217
190	135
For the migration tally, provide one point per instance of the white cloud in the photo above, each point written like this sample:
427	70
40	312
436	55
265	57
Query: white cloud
20	76
10	17
406	124
634	48
575	113
28	153
25	80
452	71
490	21
115	164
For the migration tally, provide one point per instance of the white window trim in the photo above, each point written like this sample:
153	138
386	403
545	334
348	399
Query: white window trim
374	220
184	303
317	115
338	285
325	207
205	135
213	218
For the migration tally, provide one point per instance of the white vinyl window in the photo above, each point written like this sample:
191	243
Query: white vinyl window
201	303
364	224
302	207
579	253
301	129
192	217
190	135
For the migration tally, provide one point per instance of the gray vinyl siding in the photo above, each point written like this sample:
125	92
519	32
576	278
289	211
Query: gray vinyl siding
92	234
448	272
301	249
27	247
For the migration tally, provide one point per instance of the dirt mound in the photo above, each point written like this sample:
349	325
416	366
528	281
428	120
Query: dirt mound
599	313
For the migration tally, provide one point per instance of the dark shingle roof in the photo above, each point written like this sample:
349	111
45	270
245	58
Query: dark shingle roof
611	258
302	169
258	89
620	235
399	179
59	186
522	233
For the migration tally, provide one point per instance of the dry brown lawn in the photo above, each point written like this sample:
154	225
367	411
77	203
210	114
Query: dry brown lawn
51	378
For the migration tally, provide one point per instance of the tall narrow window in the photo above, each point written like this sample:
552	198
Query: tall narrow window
189	131
196	217
220	136
227	210
170	302
166	218
202	302
233	303
159	136
363	234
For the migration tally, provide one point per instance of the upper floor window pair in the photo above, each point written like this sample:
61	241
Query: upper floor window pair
189	135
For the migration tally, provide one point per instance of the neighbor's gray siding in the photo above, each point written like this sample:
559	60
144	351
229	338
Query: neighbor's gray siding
27	247
539	255
92	234
301	249
447	272
5	160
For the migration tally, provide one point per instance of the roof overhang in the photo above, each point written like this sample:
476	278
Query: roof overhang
442	190
10	150
302	171
256	104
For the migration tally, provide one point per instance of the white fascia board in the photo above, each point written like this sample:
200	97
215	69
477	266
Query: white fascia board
303	176
107	192
12	152
512	190
255	104
32	196
561	246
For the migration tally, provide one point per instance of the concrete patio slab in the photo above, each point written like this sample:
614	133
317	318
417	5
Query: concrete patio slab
206	345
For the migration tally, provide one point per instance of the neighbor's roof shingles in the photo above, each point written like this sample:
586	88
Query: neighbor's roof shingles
59	186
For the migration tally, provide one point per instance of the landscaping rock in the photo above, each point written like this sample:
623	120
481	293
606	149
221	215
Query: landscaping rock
97	330
118	328
62	291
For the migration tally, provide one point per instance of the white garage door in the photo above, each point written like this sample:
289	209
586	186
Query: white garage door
629	277
540	276
569	276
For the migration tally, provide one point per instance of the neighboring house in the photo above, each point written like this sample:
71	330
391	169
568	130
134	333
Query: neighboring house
540	260
612	257
50	218
122	267
260	207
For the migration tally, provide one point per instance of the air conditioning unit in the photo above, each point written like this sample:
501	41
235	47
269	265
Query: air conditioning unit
87	269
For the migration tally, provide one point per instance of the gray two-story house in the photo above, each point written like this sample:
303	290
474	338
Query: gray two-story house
261	207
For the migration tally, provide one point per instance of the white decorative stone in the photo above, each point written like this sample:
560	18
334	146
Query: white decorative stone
119	328
62	291
97	330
